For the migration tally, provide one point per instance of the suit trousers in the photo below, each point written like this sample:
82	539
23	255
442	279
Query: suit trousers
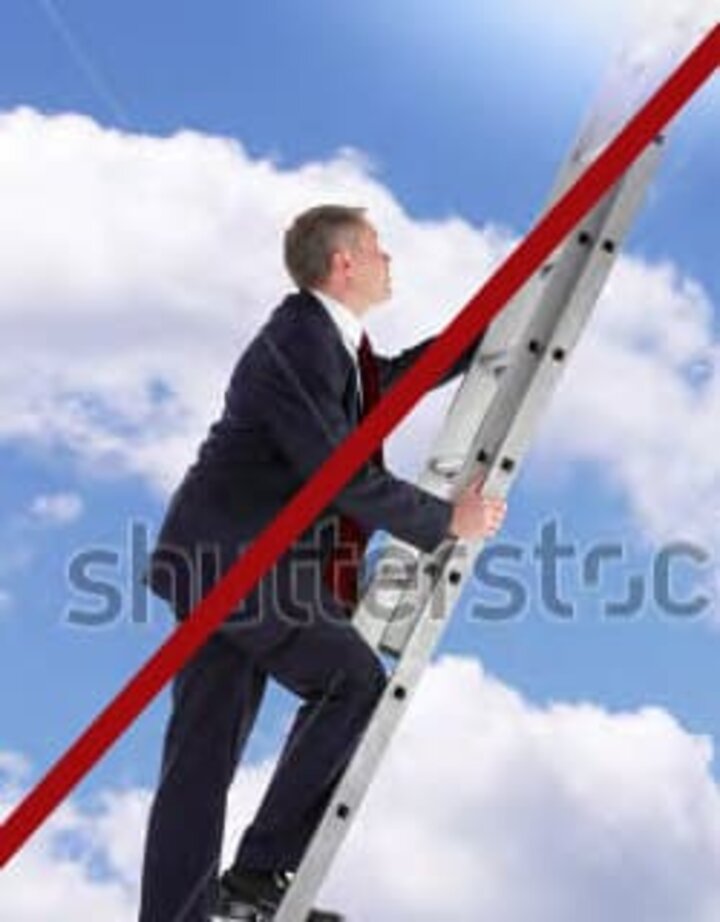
215	700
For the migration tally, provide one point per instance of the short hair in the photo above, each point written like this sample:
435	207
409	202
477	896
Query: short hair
313	237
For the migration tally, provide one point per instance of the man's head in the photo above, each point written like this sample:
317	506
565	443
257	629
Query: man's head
335	249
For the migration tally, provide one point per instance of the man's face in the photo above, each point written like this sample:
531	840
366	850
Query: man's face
368	268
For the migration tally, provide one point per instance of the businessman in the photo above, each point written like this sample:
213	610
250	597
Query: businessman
297	391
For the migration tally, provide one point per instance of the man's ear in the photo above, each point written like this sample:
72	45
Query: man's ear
335	262
341	261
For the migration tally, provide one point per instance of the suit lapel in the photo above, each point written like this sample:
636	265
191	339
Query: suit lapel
351	396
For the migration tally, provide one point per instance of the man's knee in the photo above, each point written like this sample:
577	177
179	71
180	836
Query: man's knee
362	679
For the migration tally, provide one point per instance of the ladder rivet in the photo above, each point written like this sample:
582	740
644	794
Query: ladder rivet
560	295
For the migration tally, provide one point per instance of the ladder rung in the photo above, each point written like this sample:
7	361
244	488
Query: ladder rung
492	424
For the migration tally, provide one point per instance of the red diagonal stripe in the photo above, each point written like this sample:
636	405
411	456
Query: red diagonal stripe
345	461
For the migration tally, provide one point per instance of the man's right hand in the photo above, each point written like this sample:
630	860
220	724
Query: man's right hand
476	516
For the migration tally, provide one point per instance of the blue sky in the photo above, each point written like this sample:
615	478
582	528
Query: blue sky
453	129
467	115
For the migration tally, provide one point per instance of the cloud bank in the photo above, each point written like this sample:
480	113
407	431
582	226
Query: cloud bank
56	508
134	268
488	807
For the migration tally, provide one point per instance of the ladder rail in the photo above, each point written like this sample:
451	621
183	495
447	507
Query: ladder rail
551	333
503	428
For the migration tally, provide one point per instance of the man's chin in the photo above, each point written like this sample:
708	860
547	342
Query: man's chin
382	297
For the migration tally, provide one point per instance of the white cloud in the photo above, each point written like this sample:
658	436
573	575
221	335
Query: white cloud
148	262
6	601
513	812
642	42
20	530
14	768
656	23
57	508
658	35
641	401
488	807
83	863
675	21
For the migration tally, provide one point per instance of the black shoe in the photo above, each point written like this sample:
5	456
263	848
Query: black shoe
240	892
254	896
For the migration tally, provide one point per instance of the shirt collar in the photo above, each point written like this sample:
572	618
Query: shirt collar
349	325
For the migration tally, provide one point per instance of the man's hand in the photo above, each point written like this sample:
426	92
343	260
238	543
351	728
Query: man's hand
475	516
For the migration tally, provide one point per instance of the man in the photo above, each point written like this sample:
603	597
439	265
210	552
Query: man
297	391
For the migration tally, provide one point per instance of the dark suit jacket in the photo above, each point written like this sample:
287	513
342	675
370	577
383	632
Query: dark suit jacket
291	400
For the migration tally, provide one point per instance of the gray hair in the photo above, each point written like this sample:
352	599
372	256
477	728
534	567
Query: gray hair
314	236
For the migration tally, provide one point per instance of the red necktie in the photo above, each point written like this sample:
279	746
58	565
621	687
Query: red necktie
342	570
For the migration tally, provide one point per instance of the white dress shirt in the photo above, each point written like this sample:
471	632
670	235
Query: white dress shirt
350	328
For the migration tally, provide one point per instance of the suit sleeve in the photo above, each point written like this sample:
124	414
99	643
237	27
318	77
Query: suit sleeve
299	382
391	368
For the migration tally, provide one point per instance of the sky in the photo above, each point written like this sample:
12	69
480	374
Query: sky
150	158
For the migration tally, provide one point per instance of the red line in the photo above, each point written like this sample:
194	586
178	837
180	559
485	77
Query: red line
345	461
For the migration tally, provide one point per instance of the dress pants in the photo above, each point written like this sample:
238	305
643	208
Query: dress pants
215	700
